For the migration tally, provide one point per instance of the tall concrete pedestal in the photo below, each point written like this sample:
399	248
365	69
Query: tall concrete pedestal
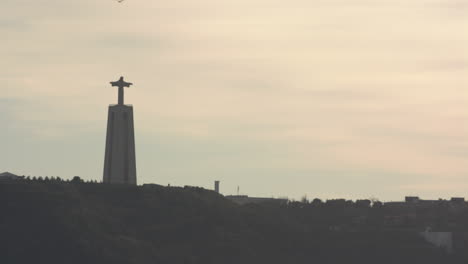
119	161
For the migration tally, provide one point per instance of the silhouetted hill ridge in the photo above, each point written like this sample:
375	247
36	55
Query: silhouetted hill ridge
57	222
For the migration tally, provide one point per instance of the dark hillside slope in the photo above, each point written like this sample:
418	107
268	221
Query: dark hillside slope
97	223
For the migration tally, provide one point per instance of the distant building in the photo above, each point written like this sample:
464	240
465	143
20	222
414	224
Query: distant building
415	201
9	176
411	199
395	204
363	203
336	202
443	240
216	186
457	200
244	199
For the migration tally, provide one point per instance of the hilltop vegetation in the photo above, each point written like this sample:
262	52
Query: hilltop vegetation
58	222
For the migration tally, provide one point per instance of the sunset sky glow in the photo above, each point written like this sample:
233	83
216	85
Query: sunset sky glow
324	98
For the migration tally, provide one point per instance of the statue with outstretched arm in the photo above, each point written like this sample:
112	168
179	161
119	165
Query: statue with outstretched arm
121	84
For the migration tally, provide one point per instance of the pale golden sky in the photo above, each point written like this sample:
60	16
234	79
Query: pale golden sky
328	98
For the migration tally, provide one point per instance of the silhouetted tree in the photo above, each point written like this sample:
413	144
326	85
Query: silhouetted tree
316	202
77	179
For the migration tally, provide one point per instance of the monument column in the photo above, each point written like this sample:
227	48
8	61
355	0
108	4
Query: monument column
119	160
